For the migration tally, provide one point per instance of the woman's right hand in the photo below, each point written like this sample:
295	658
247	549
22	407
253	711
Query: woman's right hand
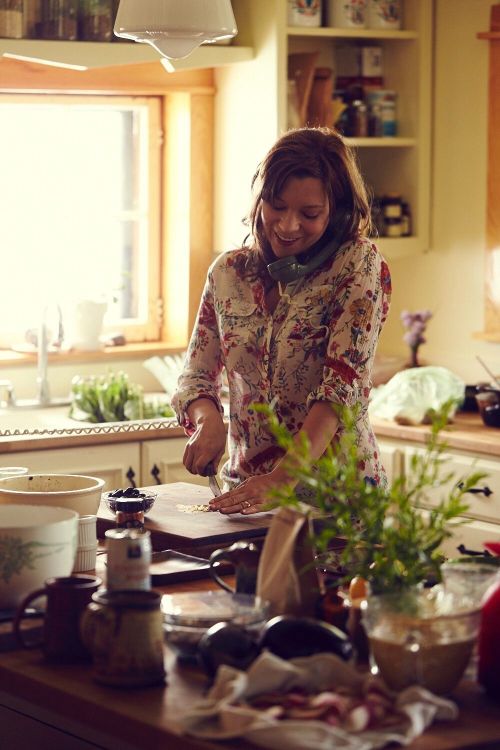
206	445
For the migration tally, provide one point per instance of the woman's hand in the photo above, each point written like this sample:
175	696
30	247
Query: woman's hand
207	443
251	496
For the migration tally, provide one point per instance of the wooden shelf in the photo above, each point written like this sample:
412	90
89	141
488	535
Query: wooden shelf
395	142
331	32
84	55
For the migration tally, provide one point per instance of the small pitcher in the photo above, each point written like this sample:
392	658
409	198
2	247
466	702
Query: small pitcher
244	556
123	631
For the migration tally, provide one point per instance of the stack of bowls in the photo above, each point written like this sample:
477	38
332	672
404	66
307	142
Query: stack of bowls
39	528
86	550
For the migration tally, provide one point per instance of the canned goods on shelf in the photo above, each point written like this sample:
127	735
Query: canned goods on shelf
304	12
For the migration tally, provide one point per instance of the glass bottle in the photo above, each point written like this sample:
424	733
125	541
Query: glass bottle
32	19
60	19
96	20
129	514
11	19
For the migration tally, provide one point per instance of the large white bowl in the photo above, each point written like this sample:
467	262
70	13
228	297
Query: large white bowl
36	543
74	491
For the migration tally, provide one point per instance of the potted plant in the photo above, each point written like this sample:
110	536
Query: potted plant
394	545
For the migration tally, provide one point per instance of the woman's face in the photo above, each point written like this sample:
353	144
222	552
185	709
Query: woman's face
297	218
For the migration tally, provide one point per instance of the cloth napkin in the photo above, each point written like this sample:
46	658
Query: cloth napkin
217	718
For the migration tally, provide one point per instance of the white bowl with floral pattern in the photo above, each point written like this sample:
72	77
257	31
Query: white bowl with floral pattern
36	542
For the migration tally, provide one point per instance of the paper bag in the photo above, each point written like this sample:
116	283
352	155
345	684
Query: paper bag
287	577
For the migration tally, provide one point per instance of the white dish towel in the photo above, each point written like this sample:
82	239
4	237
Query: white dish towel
218	718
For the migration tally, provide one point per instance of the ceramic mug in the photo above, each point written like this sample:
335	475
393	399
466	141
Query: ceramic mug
123	630
244	556
67	598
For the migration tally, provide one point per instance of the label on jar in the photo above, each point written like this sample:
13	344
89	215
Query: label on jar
304	12
347	14
384	14
128	559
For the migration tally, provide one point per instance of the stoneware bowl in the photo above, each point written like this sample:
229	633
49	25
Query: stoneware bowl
36	543
73	491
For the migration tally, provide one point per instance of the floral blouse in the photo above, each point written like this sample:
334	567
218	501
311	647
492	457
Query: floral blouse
317	345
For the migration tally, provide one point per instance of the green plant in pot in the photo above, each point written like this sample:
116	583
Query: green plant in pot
417	633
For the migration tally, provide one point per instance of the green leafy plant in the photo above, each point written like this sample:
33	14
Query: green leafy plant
389	540
113	398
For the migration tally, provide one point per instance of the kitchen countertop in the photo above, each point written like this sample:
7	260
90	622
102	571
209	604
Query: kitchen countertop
467	432
56	430
66	696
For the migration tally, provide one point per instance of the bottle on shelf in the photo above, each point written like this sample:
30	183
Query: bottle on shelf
96	20
11	19
60	19
32	18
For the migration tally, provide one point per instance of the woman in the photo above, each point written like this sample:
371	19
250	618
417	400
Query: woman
294	318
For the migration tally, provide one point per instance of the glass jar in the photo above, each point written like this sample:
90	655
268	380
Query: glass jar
11	19
32	19
96	20
60	19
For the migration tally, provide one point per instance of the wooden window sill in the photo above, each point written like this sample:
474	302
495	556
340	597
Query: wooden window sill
108	353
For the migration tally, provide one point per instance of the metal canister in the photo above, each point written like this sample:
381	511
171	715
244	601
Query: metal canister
129	558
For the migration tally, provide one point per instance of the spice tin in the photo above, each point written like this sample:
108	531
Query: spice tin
129	558
384	14
304	12
346	14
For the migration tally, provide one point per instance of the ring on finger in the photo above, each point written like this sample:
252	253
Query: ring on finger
246	504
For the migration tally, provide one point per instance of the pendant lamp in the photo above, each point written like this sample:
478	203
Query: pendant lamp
175	27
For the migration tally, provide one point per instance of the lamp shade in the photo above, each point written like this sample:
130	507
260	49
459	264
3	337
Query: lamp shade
175	27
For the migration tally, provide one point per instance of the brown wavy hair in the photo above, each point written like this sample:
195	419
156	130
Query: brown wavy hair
310	152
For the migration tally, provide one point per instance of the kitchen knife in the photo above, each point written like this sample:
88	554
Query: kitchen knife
212	479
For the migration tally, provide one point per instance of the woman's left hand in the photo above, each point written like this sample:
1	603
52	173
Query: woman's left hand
249	497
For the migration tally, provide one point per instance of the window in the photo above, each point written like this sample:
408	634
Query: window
80	198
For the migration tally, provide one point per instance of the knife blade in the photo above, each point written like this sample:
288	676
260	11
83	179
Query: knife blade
212	479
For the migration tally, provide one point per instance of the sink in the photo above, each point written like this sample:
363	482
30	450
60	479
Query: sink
53	417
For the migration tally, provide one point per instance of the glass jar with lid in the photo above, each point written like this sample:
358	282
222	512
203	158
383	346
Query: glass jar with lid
96	20
60	19
11	19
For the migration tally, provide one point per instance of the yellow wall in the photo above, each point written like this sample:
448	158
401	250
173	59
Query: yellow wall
449	278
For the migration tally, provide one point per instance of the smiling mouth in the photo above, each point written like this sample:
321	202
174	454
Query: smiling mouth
286	240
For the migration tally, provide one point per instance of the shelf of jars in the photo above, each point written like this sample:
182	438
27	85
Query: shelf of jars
84	55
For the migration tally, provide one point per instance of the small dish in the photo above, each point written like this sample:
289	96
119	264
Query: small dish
147	496
188	615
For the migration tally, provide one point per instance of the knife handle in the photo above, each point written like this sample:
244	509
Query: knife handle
209	470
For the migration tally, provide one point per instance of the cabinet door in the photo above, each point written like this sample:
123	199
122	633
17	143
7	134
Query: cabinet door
483	500
161	462
473	535
118	463
391	455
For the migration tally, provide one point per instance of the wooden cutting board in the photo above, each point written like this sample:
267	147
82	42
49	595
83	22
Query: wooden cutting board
200	532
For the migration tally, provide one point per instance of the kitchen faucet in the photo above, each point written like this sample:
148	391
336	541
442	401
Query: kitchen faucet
43	388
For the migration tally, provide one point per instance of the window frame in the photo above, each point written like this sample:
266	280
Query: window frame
196	89
149	330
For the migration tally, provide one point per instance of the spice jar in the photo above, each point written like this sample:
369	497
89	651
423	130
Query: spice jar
129	514
60	19
32	19
96	20
11	19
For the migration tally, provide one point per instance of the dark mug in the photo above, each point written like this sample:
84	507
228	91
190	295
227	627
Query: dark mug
244	556
67	598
